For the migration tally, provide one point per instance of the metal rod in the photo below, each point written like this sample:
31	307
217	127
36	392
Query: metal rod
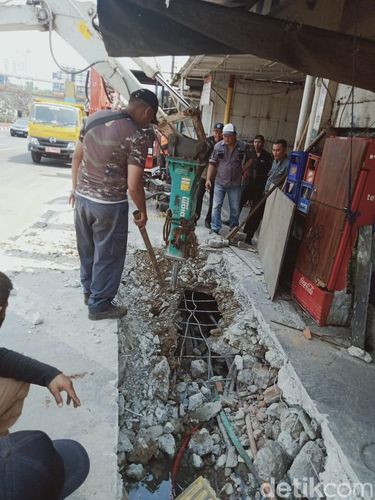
200	300
212	317
209	361
196	310
176	94
174	275
187	337
324	338
204	356
133	412
147	242
197	323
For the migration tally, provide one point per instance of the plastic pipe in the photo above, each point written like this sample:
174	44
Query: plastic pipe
304	110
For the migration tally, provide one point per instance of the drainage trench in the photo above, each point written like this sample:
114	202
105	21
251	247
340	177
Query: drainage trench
194	372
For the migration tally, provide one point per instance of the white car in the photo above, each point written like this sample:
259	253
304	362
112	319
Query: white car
20	128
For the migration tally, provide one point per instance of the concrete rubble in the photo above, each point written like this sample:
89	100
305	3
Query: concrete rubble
167	392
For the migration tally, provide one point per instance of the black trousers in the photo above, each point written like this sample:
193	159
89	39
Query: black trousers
245	195
252	224
102	234
200	194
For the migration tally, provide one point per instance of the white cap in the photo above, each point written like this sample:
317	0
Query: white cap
229	129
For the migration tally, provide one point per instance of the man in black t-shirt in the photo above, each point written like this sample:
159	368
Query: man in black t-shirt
255	177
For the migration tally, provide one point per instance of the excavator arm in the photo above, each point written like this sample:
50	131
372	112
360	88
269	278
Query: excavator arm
74	22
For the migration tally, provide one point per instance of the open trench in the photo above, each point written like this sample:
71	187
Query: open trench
198	394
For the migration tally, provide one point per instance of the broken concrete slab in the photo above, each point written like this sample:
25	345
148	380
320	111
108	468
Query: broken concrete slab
271	462
198	368
160	379
201	442
289	444
197	461
317	376
356	352
206	412
167	444
195	401
272	394
307	466
232	458
135	471
124	443
144	450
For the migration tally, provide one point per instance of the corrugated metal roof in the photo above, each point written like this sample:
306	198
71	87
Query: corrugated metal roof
246	66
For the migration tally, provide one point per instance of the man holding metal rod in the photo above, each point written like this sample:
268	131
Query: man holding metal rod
107	164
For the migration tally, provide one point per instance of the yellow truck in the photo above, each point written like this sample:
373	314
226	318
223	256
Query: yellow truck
54	128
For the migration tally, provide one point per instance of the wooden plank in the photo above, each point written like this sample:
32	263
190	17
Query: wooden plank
362	286
273	237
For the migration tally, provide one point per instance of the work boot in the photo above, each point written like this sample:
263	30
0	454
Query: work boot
207	224
225	222
86	297
113	312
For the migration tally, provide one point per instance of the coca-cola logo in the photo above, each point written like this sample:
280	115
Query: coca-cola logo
306	285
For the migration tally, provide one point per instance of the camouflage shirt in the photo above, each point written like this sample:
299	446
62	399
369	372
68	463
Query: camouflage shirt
107	150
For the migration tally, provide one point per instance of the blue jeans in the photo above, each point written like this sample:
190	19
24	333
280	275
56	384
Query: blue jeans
102	234
234	198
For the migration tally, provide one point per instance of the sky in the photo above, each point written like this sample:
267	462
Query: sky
26	54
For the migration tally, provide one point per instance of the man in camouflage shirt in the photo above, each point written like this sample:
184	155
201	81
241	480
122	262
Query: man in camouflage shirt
108	162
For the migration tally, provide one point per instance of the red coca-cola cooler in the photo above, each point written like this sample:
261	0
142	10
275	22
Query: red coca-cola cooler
347	166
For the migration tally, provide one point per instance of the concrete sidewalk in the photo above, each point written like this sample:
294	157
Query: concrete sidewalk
44	269
333	387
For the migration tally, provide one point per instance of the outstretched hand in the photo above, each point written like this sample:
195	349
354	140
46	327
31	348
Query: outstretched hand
62	383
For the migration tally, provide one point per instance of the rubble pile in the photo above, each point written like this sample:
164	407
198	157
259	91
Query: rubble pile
221	384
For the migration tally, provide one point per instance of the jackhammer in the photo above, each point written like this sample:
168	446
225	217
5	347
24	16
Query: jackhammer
186	161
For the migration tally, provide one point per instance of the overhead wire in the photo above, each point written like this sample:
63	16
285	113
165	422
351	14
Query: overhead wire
63	68
343	109
69	70
328	91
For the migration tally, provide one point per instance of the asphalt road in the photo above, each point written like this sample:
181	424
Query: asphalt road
26	188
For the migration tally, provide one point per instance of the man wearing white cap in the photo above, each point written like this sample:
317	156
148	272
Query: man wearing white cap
225	169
